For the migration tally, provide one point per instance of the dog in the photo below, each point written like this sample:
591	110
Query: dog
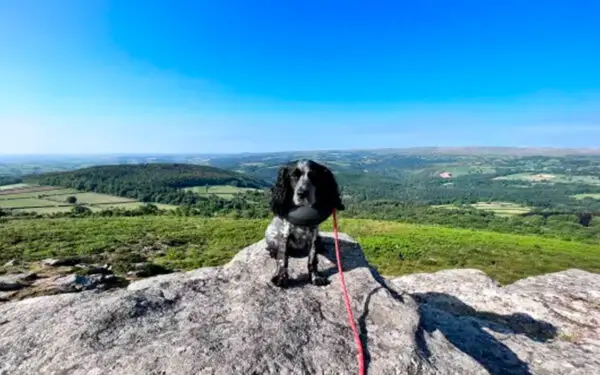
299	183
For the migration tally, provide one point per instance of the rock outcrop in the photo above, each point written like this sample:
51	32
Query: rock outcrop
232	320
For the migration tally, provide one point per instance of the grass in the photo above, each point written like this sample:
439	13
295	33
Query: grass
223	191
398	249
38	193
128	205
394	248
93	198
552	178
48	199
446	206
46	210
499	208
26	203
13	186
583	196
463	170
502	208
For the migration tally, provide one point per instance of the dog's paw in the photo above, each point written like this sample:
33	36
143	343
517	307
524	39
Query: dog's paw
319	281
280	280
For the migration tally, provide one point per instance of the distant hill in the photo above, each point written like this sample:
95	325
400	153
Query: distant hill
156	182
482	151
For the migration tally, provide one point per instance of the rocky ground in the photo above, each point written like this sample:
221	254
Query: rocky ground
68	275
232	320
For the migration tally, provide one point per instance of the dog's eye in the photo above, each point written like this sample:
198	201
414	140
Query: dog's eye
297	173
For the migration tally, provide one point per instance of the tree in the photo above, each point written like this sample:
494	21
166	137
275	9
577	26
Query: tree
71	199
80	210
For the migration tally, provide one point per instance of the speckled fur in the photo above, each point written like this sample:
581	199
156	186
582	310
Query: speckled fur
301	183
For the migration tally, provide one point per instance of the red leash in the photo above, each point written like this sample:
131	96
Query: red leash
361	355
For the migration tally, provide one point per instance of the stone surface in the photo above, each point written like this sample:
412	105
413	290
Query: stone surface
92	269
147	269
52	262
76	283
548	324
6	296
13	282
232	320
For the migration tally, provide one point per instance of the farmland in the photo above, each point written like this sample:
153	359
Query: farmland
463	170
590	195
552	178
499	208
223	191
51	199
502	208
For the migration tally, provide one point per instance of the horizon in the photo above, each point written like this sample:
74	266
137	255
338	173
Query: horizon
450	150
114	78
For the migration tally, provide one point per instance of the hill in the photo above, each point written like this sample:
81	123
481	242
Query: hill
152	182
430	177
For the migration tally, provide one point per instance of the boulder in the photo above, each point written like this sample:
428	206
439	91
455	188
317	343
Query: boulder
232	320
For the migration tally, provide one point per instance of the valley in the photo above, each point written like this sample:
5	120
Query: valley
511	215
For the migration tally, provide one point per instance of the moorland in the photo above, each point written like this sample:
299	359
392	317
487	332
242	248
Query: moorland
510	212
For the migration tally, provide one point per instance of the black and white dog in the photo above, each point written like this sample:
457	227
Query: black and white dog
300	183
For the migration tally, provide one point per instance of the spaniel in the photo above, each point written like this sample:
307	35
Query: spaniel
300	183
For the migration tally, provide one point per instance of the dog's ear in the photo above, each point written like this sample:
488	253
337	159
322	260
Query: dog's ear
329	189
281	192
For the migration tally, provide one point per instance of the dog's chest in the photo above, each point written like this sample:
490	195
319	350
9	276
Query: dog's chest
302	237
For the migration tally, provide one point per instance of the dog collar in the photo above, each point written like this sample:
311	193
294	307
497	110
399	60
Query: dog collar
308	216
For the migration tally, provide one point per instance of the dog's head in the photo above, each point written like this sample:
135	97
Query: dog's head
304	183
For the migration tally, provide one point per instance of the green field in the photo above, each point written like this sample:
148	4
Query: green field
583	196
551	178
45	210
92	198
394	248
462	170
223	191
128	206
499	208
26	203
502	208
48	200
39	194
13	186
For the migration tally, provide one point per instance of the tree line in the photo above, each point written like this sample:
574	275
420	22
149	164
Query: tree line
158	183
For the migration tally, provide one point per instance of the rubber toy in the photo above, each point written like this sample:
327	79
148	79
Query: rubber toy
308	216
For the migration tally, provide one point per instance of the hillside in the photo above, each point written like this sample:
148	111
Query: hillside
184	243
158	182
231	320
500	189
559	183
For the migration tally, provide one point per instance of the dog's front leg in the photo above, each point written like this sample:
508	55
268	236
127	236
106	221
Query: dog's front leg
280	278
313	263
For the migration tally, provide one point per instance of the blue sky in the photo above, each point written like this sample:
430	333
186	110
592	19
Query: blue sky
251	76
